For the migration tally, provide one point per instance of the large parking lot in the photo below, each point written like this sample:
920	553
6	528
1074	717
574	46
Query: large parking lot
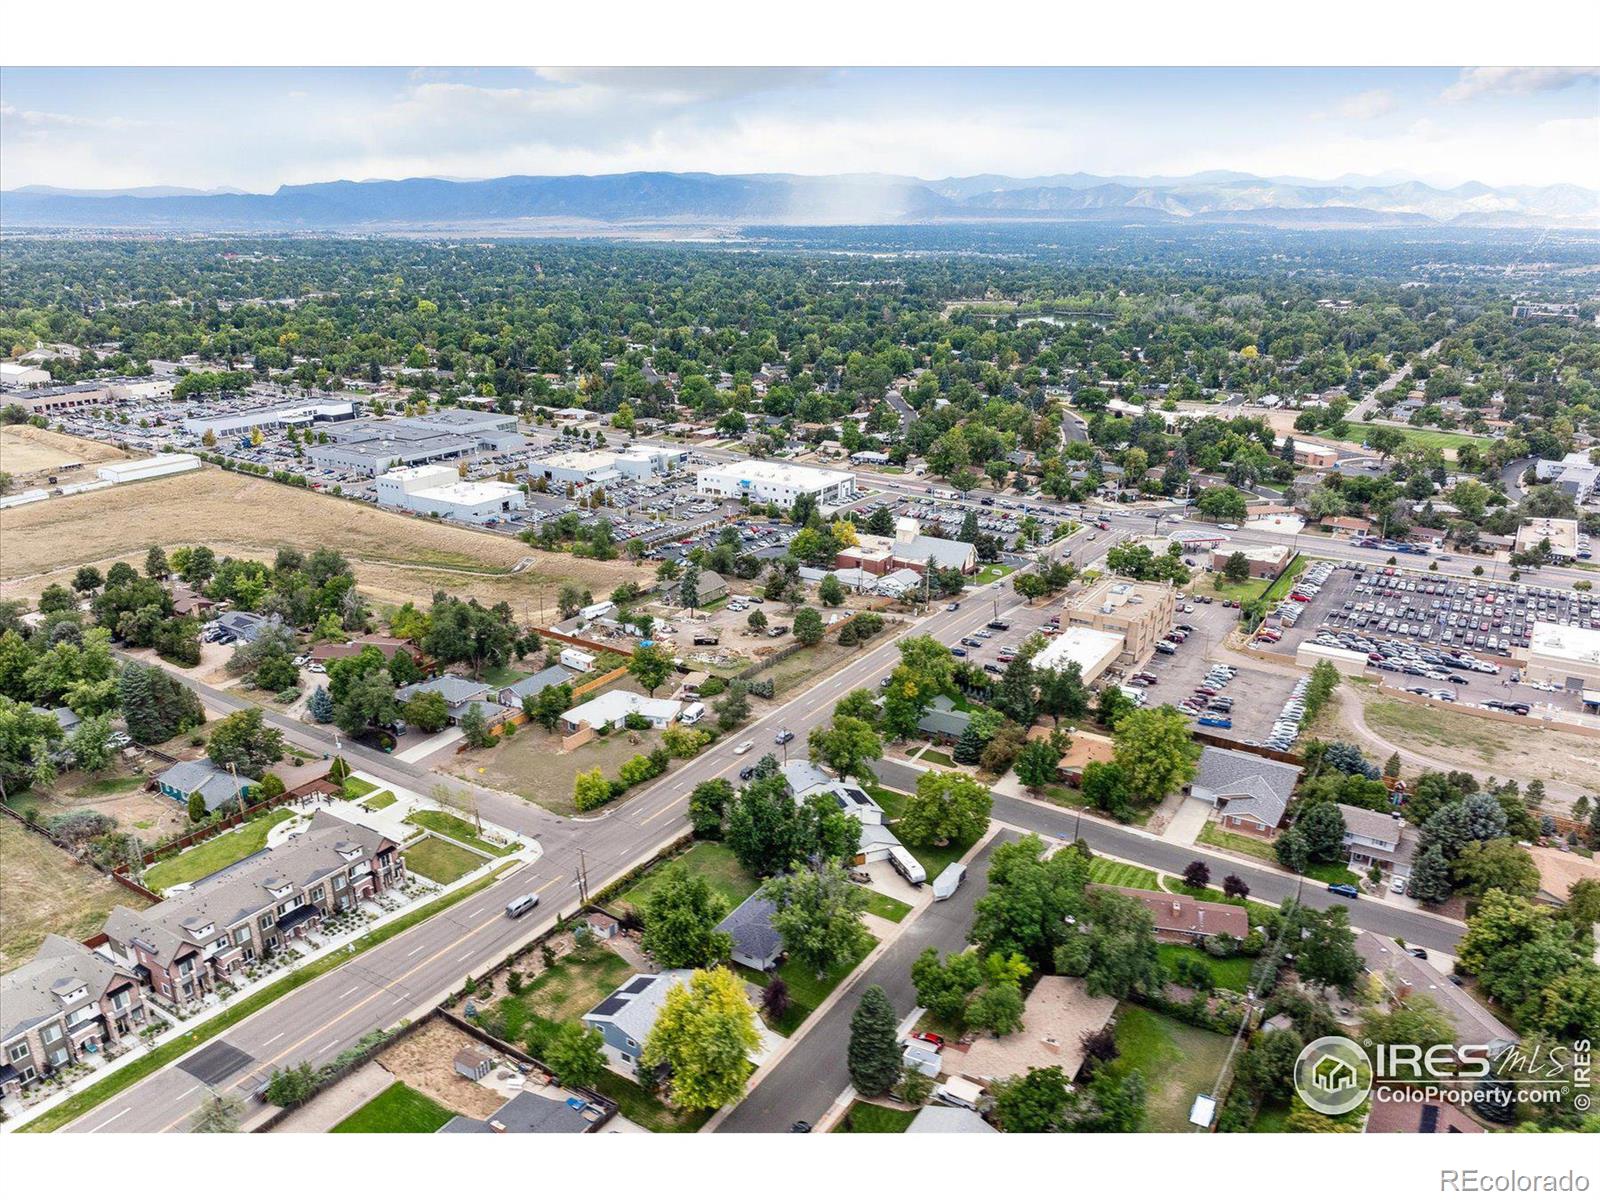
1453	638
1253	699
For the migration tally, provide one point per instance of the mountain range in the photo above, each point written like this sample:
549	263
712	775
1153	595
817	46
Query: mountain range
532	202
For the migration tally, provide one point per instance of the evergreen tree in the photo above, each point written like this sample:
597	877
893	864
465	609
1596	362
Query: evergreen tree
969	746
320	706
874	1054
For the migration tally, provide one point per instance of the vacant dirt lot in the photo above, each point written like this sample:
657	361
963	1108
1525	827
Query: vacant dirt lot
424	1060
396	558
147	815
43	890
25	449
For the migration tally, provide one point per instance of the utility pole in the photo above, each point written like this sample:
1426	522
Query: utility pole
583	877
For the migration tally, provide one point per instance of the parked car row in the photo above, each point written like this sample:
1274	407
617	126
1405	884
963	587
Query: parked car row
1208	706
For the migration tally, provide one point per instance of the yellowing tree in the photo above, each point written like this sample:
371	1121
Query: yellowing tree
844	533
705	1034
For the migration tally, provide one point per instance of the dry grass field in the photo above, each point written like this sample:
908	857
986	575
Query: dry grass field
25	449
42	890
396	558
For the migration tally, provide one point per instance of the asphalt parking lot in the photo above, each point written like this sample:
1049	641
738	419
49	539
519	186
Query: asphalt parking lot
985	647
1258	696
1414	614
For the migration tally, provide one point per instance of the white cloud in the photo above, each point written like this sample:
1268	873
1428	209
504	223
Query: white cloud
1364	106
1486	81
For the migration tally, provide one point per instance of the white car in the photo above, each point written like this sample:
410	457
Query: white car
1227	525
744	747
317	669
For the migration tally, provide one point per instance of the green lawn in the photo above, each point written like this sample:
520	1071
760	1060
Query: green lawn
1428	439
992	572
499	677
209	856
1214	834
1270	1118
566	991
1177	1061
886	907
396	1109
107	787
1230	973
436	859
459	830
806	991
712	860
1282	586
862	1117
1118	874
381	800
938	756
355	788
1331	873
102	1090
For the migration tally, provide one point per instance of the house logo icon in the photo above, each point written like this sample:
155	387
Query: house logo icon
1333	1075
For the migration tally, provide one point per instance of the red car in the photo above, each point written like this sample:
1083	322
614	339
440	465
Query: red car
933	1039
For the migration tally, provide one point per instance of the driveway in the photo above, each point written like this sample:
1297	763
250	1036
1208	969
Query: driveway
1186	825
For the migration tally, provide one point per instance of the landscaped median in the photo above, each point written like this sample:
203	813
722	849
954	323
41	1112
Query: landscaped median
98	1093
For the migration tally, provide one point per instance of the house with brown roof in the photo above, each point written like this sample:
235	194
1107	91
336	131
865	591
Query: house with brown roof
327	652
1179	918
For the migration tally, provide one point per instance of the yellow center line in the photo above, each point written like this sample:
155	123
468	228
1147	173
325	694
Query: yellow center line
287	1050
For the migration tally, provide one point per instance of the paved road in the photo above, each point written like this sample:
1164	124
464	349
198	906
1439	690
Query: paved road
415	969
1361	411
808	1079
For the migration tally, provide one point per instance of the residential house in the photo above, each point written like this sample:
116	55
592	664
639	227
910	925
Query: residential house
530	1112
64	717
1250	793
1375	838
939	1119
512	695
613	708
943	722
1354	526
244	626
1178	918
1402	975
756	944
459	696
65	1003
208	931
1087	747
327	652
218	786
709	588
626	1017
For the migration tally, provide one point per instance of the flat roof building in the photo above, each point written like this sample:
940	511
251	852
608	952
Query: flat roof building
438	490
1266	562
1561	534
1141	612
147	468
769	482
1092	649
1564	655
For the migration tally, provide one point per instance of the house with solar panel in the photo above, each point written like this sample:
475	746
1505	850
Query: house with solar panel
625	1018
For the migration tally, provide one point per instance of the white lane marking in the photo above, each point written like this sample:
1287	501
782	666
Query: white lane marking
330	1045
276	1036
108	1120
195	1088
348	991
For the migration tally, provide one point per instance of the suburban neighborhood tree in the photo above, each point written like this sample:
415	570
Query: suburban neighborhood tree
427	711
650	667
947	806
577	1055
1113	947
850	746
244	741
1155	753
680	918
1037	766
319	706
704	1035
818	914
219	1112
808	628
1029	898
830	591
874	1051
707	804
1037	1102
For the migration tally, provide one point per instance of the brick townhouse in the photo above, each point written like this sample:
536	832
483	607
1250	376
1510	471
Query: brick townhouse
65	1003
183	946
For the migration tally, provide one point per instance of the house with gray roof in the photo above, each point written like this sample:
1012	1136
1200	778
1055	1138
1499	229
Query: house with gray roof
626	1017
529	1112
206	931
459	696
939	1119
756	944
217	786
64	716
512	694
1375	838
944	722
244	626
1249	792
66	1003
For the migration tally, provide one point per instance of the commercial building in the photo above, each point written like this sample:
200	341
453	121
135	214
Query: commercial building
438	490
1309	454
1092	649
371	447
20	376
1562	536
278	416
908	550
767	482
579	467
200	937
66	1003
47	401
1564	655
1574	474
1140	612
1266	562
147	468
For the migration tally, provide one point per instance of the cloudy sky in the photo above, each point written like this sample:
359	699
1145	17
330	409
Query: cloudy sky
258	128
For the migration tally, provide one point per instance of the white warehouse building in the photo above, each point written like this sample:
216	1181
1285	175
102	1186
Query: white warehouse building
438	490
776	482
147	468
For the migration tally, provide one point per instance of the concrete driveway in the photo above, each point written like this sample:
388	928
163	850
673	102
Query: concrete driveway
1187	823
